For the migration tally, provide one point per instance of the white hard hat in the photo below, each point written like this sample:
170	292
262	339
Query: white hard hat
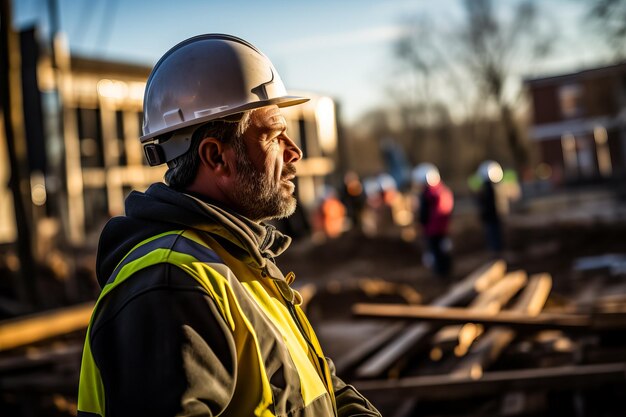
426	173
490	171
204	78
386	182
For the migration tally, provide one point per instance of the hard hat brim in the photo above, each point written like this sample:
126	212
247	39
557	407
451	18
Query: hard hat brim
284	101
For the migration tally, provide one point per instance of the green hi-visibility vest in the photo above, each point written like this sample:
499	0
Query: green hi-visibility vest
232	293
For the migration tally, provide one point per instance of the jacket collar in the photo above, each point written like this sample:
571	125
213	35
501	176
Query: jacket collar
260	243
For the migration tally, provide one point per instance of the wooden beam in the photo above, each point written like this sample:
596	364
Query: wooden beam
41	358
414	335
491	301
474	284
41	383
450	315
447	387
346	363
491	345
500	293
37	327
535	295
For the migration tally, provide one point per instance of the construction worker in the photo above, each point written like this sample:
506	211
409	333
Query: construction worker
490	174
353	198
434	210
195	317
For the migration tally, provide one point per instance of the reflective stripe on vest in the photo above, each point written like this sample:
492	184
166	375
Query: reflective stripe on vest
189	252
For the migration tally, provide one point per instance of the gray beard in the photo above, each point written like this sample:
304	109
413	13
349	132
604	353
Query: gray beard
259	198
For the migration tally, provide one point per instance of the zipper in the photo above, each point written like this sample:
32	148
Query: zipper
321	368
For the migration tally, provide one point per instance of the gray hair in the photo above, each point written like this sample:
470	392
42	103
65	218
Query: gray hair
182	171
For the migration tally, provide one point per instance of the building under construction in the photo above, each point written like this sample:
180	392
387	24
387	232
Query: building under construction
75	147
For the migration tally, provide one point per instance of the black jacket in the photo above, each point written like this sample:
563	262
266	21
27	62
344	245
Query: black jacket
159	341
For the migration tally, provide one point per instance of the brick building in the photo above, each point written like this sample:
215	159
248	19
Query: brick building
579	124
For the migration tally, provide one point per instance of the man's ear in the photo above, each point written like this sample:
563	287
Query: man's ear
213	156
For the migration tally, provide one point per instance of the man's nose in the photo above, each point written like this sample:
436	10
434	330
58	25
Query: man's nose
292	153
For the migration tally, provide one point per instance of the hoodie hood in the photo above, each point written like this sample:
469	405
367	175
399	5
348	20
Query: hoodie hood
162	209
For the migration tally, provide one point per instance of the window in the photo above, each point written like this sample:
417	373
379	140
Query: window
96	208
570	99
121	143
90	135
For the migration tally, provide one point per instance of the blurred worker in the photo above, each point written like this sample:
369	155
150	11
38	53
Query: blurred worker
388	187
330	214
490	173
435	208
353	198
195	317
373	204
380	193
390	195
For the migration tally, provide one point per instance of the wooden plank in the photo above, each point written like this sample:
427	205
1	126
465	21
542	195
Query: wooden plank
448	387
477	282
450	315
37	327
491	301
41	383
39	358
414	335
491	345
535	295
348	362
500	293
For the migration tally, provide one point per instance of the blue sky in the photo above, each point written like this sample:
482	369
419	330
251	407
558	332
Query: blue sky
341	48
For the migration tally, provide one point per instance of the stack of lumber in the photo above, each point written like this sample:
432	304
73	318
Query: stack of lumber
490	337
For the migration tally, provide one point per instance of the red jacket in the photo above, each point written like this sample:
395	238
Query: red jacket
436	204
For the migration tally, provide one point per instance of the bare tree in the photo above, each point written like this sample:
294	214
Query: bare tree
421	109
475	62
608	17
493	49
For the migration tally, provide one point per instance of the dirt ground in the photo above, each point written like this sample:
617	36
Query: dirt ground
546	235
542	235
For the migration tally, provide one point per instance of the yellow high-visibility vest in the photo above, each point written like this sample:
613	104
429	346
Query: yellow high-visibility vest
243	296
